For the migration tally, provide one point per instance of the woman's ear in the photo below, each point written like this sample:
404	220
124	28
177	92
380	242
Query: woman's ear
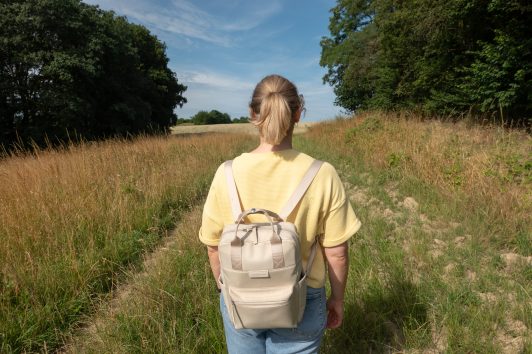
297	115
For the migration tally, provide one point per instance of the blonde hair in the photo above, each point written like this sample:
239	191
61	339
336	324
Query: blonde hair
273	106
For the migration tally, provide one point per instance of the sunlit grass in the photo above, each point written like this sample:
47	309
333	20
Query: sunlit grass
444	271
486	168
422	280
450	273
72	220
170	308
244	128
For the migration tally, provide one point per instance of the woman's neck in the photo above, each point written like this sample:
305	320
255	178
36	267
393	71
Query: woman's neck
285	144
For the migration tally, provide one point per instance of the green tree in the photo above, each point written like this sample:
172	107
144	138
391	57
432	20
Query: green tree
437	56
212	117
242	119
500	77
349	52
200	118
67	67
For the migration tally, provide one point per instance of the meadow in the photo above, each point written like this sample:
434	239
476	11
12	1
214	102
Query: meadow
74	220
242	128
443	262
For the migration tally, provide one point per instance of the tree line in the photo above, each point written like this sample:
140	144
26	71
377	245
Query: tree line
444	57
212	117
70	70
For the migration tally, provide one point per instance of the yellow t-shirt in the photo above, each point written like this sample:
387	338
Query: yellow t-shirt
266	180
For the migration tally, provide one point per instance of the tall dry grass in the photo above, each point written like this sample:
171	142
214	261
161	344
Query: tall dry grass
442	261
416	284
485	167
71	220
244	128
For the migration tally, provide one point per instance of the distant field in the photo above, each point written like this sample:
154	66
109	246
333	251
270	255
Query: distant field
246	128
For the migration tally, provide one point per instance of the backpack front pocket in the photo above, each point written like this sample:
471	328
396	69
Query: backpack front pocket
264	308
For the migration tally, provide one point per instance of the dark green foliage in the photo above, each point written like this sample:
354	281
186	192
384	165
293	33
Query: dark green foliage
444	57
68	68
241	120
183	121
212	117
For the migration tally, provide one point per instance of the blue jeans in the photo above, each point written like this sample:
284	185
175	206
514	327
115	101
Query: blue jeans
306	338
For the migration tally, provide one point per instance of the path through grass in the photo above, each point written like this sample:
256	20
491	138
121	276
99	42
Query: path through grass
435	267
73	221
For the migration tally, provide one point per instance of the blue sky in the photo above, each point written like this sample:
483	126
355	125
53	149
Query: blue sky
221	48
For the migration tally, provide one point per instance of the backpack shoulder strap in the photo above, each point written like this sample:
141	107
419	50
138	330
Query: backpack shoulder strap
301	189
231	187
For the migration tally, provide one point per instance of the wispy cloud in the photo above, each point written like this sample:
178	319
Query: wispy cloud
221	49
209	89
214	90
209	97
214	80
184	18
254	16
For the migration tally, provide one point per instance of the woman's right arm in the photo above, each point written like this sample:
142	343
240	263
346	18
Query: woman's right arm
214	261
338	266
212	224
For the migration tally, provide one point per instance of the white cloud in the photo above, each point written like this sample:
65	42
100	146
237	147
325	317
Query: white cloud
252	17
193	29
184	18
213	90
207	90
203	97
213	79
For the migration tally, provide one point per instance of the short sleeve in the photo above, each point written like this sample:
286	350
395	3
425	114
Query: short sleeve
211	221
339	222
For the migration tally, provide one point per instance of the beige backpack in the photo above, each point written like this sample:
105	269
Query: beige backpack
262	281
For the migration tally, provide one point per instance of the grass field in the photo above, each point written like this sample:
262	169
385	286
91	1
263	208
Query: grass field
443	262
243	128
74	221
